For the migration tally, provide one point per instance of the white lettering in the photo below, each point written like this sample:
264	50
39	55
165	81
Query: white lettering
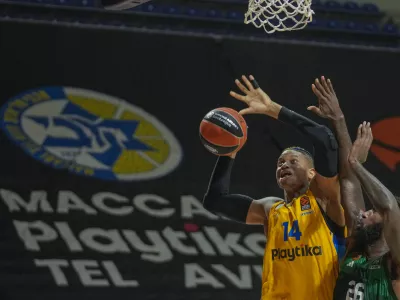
142	203
258	270
54	266
15	202
99	200
202	243
87	270
229	245
196	275
157	251
255	242
241	281
115	242
116	277
67	201
25	231
68	236
191	206
174	238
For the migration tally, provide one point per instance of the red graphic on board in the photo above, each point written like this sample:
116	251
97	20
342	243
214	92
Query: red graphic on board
386	145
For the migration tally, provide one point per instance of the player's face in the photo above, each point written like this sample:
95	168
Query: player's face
370	217
293	171
369	228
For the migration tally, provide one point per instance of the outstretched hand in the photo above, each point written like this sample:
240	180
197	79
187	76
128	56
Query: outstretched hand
257	100
360	149
328	104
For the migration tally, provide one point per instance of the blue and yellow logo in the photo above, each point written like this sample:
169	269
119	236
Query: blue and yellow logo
90	134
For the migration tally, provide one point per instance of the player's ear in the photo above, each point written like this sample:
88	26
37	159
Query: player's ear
311	174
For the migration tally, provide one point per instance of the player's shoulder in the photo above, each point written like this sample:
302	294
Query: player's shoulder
327	188
269	202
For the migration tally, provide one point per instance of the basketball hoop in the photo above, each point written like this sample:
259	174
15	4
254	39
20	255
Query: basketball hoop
279	15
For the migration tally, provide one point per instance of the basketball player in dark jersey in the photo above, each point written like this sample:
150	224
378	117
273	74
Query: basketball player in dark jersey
305	230
371	267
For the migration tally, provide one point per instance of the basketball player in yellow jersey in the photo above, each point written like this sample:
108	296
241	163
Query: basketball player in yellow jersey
305	230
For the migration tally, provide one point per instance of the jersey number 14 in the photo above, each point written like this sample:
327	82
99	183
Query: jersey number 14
294	231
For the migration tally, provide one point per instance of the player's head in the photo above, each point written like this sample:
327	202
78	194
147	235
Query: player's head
369	227
295	169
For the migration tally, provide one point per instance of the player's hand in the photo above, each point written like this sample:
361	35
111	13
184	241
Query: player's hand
360	149
257	100
328	103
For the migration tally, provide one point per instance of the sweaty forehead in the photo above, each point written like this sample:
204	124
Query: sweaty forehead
293	154
287	154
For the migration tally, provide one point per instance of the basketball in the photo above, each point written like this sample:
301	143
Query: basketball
223	131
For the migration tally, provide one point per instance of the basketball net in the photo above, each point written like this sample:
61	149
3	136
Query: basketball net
279	15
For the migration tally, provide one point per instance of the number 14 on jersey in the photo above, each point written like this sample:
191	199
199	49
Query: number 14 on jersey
294	231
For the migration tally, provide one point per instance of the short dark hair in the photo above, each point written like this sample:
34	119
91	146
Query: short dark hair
303	151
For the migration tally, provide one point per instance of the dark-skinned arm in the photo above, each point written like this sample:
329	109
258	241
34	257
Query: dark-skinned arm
325	185
352	197
381	198
236	207
350	189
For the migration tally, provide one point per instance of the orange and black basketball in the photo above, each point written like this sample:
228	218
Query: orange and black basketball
223	131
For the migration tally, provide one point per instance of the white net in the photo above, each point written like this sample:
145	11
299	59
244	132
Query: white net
279	15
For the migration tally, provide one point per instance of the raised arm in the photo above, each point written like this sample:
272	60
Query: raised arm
326	184
325	145
381	198
350	188
239	208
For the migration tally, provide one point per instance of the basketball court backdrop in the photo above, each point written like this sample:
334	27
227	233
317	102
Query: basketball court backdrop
103	173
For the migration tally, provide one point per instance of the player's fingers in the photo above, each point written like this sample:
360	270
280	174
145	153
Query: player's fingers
331	86
370	135
317	93
325	84
365	137
241	86
368	139
364	131
238	97
367	128
320	88
247	82
245	111
254	82
364	124
359	132
315	110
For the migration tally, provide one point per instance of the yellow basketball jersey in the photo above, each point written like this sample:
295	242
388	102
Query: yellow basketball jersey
301	255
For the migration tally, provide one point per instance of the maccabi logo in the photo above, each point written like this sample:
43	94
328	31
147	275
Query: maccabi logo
90	134
386	146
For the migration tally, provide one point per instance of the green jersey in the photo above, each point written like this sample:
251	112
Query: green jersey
364	279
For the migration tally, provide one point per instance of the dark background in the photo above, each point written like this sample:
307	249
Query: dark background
178	79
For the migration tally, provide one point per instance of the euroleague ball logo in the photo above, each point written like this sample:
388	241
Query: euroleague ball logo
209	114
90	134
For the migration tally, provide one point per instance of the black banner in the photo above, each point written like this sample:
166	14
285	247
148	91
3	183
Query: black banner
103	172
